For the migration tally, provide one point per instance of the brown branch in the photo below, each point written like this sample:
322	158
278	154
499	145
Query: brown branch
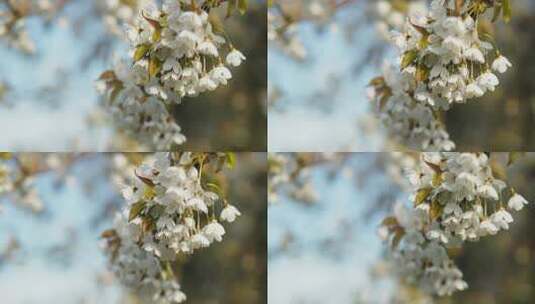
458	7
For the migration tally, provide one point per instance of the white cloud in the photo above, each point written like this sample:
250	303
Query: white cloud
37	284
313	280
28	127
298	131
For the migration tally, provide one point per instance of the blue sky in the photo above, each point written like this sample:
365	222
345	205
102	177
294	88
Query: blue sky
34	125
58	279
311	276
301	127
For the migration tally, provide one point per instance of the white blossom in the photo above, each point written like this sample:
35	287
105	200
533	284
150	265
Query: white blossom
409	119
235	58
175	53
475	54
214	231
136	268
457	199
502	219
488	81
501	64
517	202
474	91
168	213
488	227
442	61
229	214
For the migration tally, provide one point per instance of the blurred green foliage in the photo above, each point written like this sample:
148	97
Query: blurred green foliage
233	118
235	270
501	269
504	120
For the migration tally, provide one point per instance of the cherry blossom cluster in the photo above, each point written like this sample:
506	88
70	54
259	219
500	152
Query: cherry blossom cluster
116	14
284	17
290	174
277	174
19	171
137	269
456	198
177	50
420	261
6	183
137	114
121	167
283	23
17	182
13	17
407	120
285	36
169	213
397	164
445	58
391	15
449	56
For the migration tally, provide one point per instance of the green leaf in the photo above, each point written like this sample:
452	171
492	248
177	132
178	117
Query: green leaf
498	170
422	30
436	210
422	72
242	6
149	193
421	196
156	211
514	157
155	66
215	21
487	37
107	75
398	235
117	88
377	81
231	6
110	233
5	155
230	158
507	11
131	3
154	23
384	98
141	51
437	180
145	180
424	42
497	12
390	221
435	167
157	35
214	187
148	224
136	209
408	58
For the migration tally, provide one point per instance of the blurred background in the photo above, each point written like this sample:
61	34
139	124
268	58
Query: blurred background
326	250
322	250
317	98
48	100
52	245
